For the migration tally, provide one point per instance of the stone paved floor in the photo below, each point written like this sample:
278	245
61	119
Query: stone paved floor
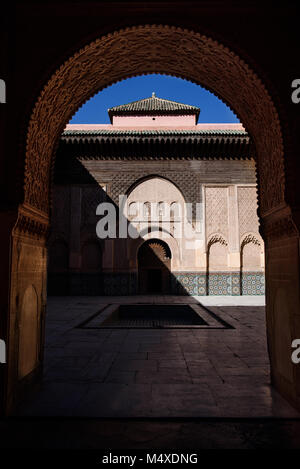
127	373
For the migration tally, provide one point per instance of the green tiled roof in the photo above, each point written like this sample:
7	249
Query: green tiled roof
153	105
155	133
159	144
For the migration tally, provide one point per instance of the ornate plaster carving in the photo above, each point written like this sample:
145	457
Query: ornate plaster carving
216	238
280	228
153	49
250	238
31	222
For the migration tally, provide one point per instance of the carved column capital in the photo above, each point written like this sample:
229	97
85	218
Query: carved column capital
278	223
31	222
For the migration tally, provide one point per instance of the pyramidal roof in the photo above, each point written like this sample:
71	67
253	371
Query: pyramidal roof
153	105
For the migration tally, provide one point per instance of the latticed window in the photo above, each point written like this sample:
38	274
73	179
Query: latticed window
161	210
175	211
146	210
132	210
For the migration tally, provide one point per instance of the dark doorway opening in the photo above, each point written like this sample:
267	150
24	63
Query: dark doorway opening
154	266
154	281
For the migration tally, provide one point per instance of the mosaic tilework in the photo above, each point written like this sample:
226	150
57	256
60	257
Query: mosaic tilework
119	284
218	283
182	283
188	283
110	284
235	283
253	283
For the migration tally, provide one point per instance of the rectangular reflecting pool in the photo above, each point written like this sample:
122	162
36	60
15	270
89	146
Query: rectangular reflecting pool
154	316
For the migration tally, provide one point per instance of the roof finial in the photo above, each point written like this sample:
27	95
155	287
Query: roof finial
153	94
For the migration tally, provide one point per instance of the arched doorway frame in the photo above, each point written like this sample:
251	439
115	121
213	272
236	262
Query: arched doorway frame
155	176
142	50
154	49
166	237
162	266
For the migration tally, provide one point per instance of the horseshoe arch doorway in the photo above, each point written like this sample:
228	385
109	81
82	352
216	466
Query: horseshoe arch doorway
154	267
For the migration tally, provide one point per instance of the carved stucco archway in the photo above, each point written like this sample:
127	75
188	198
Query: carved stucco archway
156	176
154	257
143	50
153	49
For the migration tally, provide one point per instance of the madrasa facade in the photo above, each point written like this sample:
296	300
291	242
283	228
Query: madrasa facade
155	203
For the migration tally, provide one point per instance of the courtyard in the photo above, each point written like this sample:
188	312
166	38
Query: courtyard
217	369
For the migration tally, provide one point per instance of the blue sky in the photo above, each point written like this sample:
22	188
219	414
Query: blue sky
212	110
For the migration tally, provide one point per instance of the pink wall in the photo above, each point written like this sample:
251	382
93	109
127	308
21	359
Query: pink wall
153	121
165	125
